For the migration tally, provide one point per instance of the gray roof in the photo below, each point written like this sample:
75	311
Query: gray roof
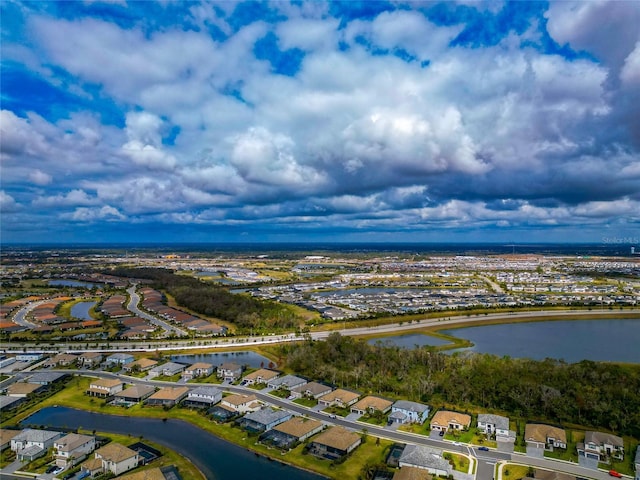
497	420
638	455
172	366
267	416
206	391
31	451
9	402
136	391
119	356
411	406
36	436
289	381
600	438
424	457
45	377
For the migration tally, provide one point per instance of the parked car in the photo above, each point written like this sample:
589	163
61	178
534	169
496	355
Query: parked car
484	449
441	433
613	473
51	469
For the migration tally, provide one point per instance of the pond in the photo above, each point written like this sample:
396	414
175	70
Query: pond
615	340
72	283
216	458
81	310
410	340
242	357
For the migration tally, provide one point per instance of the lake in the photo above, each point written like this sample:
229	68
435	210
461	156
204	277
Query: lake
410	340
216	458
72	283
81	310
616	340
242	357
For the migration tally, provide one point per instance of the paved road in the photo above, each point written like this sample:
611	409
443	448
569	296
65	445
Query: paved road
20	316
134	301
486	459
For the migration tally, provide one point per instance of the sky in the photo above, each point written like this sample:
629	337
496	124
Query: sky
310	121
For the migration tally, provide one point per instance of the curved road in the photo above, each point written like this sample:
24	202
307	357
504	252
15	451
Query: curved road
134	301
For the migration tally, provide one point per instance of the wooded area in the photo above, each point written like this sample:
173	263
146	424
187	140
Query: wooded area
587	393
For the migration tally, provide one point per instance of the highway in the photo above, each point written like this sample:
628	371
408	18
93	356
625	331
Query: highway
486	459
134	301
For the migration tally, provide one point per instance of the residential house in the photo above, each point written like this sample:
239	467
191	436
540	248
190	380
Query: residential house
371	404
89	359
311	390
241	403
263	419
134	394
404	411
168	369
116	458
168	396
339	398
444	420
168	472
261	375
141	365
5	437
120	359
412	473
9	403
30	444
229	371
23	390
203	397
491	424
298	429
287	382
425	458
46	378
61	359
73	447
199	369
601	446
335	443
548	437
105	387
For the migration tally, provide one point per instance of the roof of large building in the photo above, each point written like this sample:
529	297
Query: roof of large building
298	426
205	391
539	432
151	474
314	388
106	382
411	406
230	366
412	473
143	363
263	373
341	394
6	435
239	399
337	437
600	438
21	388
372	402
46	377
498	420
200	366
444	417
169	393
267	416
136	391
424	457
71	441
36	436
115	452
288	381
90	355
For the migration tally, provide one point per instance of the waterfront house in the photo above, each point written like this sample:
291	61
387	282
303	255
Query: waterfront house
199	369
30	444
299	428
412	473
141	365
46	378
340	398
287	382
73	447
263	419
404	411
134	394
170	369
116	458
105	387
445	420
5	437
229	371
241	403
120	359
493	425
168	396
538	435
371	404
334	443
23	390
261	375
425	458
203	397
89	359
601	446
311	390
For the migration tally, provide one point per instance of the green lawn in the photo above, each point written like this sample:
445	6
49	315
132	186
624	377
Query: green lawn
464	437
280	393
459	463
512	471
306	402
343	412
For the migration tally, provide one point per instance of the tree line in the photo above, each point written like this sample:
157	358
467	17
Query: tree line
596	395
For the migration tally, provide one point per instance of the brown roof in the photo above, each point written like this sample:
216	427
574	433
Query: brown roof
539	432
106	383
443	417
239	399
21	388
372	402
298	426
412	473
169	393
91	355
337	437
142	363
345	396
114	452
264	373
151	474
200	365
92	464
7	435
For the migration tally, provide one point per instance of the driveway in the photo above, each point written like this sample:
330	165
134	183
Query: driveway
12	467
